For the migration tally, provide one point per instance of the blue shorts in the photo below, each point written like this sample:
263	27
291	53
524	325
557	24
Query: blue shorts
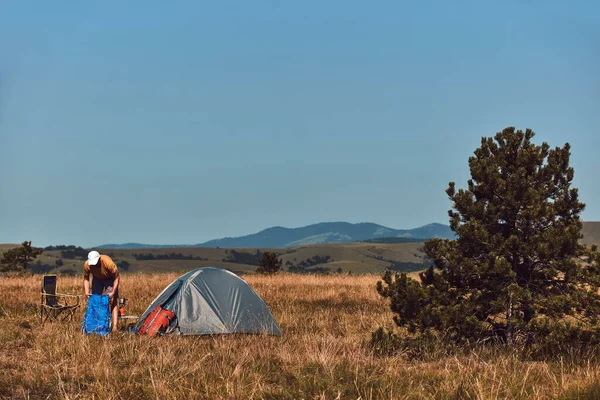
104	286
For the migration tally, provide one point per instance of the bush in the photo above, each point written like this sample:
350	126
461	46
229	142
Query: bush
269	263
74	253
123	265
384	342
39	268
240	257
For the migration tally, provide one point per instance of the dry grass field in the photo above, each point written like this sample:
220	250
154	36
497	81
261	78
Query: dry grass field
323	353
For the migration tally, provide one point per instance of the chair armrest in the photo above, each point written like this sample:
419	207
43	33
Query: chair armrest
66	295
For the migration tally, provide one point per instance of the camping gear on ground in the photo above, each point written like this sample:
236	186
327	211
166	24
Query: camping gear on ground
97	315
56	306
157	322
130	319
209	301
122	303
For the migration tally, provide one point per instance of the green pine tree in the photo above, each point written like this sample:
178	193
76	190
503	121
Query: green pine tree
269	263
516	269
17	259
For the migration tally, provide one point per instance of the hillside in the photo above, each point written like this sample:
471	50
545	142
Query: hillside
332	232
369	256
591	232
142	246
342	257
326	232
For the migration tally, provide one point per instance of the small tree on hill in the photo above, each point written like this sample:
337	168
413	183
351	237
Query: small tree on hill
124	265
269	263
17	259
516	269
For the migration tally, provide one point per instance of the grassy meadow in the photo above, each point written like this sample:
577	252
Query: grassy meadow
323	353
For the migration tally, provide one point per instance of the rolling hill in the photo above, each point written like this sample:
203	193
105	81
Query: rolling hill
368	256
320	258
326	232
591	232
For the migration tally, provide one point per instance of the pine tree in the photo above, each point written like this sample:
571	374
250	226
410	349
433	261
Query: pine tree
516	268
17	259
269	263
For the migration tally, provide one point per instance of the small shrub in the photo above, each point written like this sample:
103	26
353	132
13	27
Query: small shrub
40	268
123	265
384	342
269	263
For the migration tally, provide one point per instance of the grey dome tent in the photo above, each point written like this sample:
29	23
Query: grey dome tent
210	301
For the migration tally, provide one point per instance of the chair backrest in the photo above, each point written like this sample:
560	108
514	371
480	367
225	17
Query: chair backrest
49	289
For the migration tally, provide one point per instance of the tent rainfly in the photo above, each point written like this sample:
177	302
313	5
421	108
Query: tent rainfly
210	301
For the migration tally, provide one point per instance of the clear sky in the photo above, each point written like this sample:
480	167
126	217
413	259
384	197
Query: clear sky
180	122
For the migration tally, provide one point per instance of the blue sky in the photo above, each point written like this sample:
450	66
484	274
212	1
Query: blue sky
182	122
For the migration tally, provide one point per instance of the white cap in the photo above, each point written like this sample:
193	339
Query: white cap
93	257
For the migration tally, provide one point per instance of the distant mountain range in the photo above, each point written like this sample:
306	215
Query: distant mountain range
325	232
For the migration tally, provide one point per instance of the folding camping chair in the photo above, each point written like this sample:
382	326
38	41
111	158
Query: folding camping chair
56	306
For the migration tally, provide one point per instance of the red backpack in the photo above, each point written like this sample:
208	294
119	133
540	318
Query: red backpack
157	322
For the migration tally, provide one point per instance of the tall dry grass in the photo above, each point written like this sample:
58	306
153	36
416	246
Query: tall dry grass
323	354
